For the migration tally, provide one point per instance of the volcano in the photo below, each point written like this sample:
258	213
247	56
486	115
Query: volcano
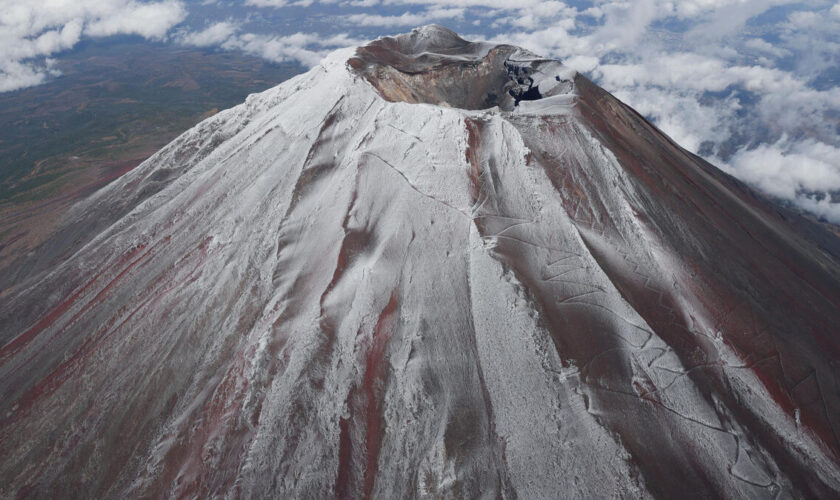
426	268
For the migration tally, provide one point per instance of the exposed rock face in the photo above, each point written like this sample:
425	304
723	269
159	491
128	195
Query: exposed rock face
435	66
428	267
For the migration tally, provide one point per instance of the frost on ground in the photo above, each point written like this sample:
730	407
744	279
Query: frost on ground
426	268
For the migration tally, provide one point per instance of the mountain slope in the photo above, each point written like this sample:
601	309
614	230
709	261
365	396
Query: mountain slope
426	267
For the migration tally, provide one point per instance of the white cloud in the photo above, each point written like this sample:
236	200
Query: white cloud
768	48
283	3
267	3
805	19
724	19
783	169
31	32
793	171
152	21
554	14
306	48
625	23
492	4
405	19
822	207
14	75
582	63
215	34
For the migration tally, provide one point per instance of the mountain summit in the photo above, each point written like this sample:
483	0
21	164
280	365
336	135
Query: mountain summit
427	267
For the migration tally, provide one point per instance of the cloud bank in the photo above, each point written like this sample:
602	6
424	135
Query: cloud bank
32	31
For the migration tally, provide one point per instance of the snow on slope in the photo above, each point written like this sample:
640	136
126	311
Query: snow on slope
391	277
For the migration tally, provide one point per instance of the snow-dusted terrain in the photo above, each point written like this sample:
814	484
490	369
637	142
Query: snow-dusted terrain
426	267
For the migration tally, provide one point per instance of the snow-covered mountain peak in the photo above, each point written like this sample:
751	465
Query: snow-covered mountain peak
385	278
